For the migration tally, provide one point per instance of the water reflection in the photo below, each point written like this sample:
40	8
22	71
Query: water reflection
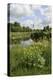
23	43
26	43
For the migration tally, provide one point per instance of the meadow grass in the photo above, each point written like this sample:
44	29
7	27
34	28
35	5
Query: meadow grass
32	60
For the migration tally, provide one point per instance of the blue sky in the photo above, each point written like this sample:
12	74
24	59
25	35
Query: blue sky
27	15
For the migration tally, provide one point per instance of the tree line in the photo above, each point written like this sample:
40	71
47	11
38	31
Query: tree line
16	27
36	33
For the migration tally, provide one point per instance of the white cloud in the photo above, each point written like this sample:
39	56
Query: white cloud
16	10
28	23
23	10
34	24
37	23
20	10
47	12
35	7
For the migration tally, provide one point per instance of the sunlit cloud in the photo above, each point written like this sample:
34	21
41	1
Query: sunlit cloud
29	15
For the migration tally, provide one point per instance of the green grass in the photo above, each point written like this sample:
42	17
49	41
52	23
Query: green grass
15	37
32	60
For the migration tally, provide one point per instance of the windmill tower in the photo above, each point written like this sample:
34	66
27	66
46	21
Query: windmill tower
33	26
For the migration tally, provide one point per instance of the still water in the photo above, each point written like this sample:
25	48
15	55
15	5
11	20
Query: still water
23	43
26	42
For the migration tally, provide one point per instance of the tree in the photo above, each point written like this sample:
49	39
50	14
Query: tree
37	35
16	24
46	28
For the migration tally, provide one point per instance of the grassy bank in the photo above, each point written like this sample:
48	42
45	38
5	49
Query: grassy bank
17	36
34	59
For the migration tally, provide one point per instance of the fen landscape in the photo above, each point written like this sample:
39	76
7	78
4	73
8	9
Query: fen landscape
30	49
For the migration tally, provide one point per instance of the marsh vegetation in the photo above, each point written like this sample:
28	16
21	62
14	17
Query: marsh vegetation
30	50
